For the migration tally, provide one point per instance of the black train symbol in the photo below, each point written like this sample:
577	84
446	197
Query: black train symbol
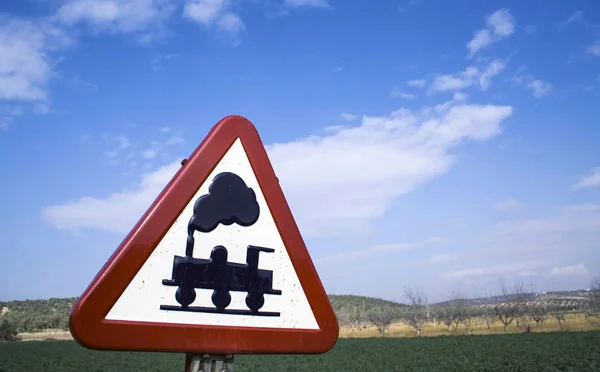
228	201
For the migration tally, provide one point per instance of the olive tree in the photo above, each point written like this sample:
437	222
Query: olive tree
594	301
539	313
8	330
512	306
415	315
382	317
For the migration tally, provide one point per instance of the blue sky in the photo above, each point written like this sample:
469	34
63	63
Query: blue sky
447	145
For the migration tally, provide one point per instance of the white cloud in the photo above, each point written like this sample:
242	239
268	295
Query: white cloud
471	76
540	88
122	142
8	113
118	212
217	12
456	81
348	117
576	16
375	251
307	3
326	178
507	205
533	246
569	270
25	62
441	258
400	94
591	179
175	140
499	25
567	229
231	23
491	270
205	11
148	154
502	23
338	68
594	48
157	61
117	15
420	83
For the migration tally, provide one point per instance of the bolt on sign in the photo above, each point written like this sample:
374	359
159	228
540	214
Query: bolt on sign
216	266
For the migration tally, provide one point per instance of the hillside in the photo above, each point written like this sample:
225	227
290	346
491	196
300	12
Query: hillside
339	302
40	315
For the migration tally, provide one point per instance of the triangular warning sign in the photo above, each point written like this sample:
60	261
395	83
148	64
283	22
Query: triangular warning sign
216	264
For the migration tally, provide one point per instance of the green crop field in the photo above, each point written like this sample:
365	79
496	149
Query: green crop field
572	351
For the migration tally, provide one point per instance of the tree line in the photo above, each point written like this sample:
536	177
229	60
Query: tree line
513	306
34	316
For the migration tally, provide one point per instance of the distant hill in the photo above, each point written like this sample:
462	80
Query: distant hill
339	302
53	313
38	315
580	294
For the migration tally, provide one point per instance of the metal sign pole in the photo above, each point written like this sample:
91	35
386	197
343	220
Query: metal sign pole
208	363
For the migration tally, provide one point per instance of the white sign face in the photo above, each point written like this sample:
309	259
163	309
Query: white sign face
151	296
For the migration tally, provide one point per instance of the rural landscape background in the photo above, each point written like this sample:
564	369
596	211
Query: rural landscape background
512	309
494	333
440	159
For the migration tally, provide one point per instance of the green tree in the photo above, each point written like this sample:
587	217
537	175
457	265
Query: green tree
8	330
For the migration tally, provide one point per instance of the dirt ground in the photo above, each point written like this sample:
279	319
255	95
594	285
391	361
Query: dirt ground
46	335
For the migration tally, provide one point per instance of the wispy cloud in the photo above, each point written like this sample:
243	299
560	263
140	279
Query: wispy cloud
158	61
509	205
539	88
8	113
416	145
591	179
471	76
576	16
574	270
492	270
499	25
376	252
418	83
441	258
307	3
27	48
216	13
348	117
594	48
145	18
400	94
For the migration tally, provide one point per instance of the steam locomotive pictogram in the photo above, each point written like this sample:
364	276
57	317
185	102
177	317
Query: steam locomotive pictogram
228	201
222	277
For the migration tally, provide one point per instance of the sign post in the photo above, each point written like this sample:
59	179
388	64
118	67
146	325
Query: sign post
208	363
215	267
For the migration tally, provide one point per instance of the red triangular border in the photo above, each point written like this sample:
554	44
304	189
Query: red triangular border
87	322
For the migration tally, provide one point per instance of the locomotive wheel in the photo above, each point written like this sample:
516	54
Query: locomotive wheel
255	298
221	299
185	296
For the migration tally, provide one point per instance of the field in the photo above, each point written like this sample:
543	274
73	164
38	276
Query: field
572	322
566	351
